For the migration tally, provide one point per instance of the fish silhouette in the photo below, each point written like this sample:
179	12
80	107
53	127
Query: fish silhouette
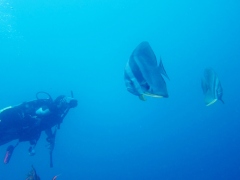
211	86
143	74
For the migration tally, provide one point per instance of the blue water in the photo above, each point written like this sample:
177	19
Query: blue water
59	46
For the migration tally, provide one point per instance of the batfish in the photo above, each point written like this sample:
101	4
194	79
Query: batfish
211	86
143	74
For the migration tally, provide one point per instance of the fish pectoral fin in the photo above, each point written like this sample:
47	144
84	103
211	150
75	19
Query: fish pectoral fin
153	95
161	69
142	97
208	103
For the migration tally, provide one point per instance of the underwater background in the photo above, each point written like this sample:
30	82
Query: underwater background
83	46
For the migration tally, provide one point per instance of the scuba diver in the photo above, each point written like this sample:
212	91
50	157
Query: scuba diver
26	121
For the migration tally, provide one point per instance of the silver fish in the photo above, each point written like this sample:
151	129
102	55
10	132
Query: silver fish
143	75
211	86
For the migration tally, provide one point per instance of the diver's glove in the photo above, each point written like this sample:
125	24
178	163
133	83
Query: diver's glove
31	151
51	139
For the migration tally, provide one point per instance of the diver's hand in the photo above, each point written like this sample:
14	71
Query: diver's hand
31	151
50	139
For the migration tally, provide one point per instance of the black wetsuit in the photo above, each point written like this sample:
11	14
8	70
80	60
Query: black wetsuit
21	122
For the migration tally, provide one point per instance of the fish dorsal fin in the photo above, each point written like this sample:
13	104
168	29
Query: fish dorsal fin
161	69
145	55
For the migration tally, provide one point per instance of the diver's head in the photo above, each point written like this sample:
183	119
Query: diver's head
64	102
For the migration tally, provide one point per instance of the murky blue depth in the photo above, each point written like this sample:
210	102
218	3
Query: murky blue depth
83	46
